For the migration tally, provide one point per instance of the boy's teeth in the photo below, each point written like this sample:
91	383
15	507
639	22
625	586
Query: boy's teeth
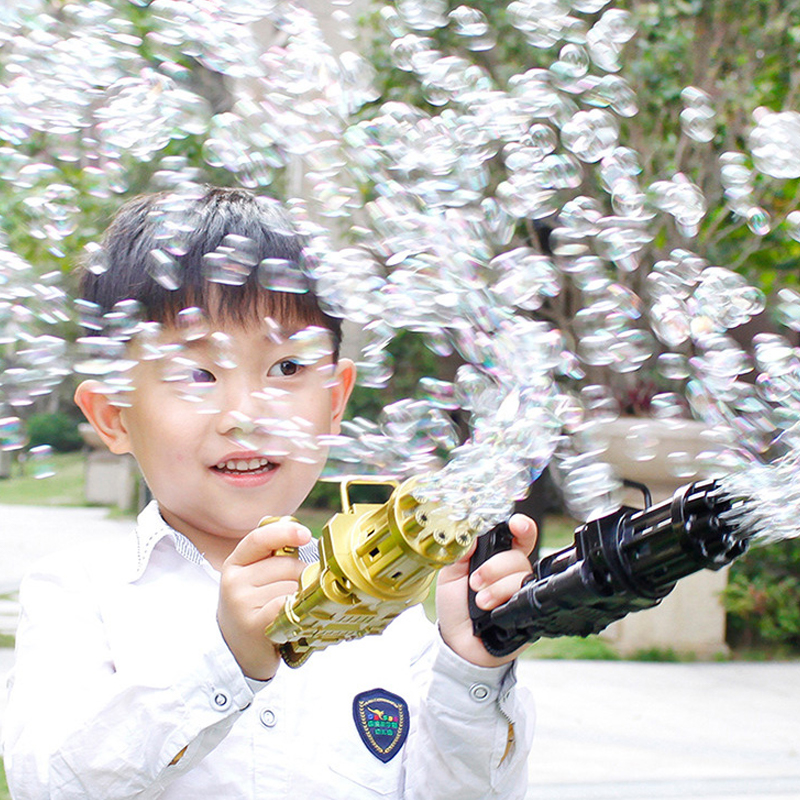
245	466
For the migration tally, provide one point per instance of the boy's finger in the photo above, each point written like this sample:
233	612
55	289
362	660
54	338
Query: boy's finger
508	562
499	592
525	532
270	610
271	599
267	571
264	541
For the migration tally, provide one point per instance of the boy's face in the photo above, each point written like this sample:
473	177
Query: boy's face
225	429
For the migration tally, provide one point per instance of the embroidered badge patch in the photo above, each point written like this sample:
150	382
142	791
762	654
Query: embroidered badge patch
381	721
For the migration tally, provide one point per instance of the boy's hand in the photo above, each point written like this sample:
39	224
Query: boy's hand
253	587
495	581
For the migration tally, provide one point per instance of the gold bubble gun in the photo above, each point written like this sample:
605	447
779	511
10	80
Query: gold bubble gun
376	560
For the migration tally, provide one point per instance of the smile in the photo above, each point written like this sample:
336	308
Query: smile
248	466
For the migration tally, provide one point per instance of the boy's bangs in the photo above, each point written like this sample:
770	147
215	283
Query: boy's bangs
241	305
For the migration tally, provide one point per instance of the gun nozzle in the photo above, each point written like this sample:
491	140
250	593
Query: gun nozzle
464	538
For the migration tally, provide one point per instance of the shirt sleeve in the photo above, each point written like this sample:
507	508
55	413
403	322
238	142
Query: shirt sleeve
473	733
75	728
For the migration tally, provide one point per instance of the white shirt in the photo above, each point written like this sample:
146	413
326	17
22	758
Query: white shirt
123	687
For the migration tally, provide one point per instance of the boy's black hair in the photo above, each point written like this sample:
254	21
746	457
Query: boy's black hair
136	230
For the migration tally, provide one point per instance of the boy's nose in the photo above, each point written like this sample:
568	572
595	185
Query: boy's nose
247	407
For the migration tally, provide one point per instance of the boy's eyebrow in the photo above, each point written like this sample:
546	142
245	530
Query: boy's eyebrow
273	337
193	345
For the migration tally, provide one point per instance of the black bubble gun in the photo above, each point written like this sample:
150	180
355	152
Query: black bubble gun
623	562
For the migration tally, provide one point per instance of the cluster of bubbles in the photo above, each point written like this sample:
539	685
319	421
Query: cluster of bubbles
32	356
432	244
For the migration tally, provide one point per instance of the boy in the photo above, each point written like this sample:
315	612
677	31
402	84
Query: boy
144	671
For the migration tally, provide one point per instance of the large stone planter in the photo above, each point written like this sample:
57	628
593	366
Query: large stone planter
691	619
110	479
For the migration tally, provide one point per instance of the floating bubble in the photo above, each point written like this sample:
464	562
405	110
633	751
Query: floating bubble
725	300
793	225
591	135
312	344
673	366
468	22
376	372
758	220
681	198
697	117
526	278
282	275
164	269
423	15
12	434
439	393
573	62
668	405
600	403
591	490
773	143
589	6
787	310
192	324
682	465
641	443
670	320
222	350
40	459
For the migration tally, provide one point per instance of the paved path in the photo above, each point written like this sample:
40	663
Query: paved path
29	532
605	729
634	730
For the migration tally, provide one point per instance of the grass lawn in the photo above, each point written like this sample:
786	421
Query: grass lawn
63	488
4	794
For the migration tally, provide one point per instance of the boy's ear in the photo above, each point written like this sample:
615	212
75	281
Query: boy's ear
342	387
104	416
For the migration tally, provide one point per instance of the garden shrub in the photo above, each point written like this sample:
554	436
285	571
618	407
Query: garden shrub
763	597
59	430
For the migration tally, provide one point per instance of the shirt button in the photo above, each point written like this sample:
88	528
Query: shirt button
220	701
479	692
267	717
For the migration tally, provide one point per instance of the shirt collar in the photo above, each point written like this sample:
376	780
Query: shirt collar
150	530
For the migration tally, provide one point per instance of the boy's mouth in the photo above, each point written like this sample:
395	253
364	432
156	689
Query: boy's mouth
245	466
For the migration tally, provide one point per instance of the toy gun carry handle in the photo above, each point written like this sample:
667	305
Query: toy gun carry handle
494	541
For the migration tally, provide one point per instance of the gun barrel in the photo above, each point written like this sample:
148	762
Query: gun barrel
624	562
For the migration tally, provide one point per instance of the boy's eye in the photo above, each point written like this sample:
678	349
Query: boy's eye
200	375
284	368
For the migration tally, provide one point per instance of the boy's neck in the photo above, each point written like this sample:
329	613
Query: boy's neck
214	548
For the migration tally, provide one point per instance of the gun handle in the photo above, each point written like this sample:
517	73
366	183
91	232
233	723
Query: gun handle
494	541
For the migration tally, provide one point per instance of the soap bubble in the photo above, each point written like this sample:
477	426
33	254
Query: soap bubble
164	269
12	434
423	15
788	308
793	224
697	117
591	135
773	143
40	459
